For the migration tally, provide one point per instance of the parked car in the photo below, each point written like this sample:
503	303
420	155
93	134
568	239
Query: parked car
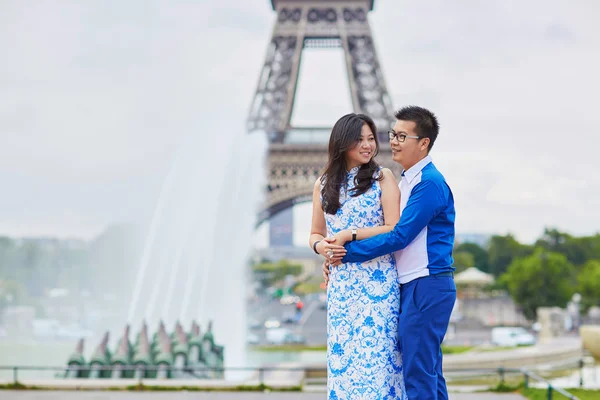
254	324
294	338
289	299
276	335
280	336
512	336
323	301
289	317
252	338
272	322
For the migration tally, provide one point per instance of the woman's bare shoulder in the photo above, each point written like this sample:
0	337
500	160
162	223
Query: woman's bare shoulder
318	182
387	173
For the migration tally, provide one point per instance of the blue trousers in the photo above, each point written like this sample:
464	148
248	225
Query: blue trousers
425	307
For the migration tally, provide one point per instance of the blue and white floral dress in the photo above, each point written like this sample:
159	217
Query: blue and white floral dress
363	302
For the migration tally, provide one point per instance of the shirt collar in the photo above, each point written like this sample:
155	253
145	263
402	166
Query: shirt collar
413	171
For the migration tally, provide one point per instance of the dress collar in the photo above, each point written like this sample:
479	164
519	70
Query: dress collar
354	170
413	171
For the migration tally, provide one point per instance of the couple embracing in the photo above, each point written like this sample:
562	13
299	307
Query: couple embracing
388	260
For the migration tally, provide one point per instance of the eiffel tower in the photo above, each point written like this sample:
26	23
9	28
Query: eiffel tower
298	154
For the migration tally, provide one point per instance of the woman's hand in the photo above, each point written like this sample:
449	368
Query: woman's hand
333	248
330	249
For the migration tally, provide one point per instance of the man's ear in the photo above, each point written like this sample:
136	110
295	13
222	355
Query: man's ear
425	143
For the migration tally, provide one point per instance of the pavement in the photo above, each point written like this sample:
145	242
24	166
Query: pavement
71	395
556	351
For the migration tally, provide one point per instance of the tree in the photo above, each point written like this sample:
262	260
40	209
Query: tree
105	265
312	285
269	273
12	293
577	250
31	271
503	250
480	255
543	279
589	285
591	245
463	260
6	251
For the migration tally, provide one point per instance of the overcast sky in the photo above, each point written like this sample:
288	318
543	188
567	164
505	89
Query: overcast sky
96	96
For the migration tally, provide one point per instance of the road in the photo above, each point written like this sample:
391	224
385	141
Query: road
312	324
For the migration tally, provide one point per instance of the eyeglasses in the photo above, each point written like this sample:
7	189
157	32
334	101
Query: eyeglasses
401	137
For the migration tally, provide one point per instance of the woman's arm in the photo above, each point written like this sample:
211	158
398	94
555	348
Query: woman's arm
318	229
390	202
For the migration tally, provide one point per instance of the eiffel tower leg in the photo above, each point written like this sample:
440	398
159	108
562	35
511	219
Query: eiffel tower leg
372	96
349	68
272	92
292	85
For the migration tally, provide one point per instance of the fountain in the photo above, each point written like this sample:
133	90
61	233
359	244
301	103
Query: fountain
194	263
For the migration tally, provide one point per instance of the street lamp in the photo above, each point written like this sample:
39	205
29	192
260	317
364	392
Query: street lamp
577	301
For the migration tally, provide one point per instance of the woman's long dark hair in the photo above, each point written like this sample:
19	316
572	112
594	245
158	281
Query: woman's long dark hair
345	135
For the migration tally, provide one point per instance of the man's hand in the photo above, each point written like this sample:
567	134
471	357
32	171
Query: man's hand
343	237
326	271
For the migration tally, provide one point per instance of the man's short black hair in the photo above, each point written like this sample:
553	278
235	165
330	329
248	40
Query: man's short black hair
426	124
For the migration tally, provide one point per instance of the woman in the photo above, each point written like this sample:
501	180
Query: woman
356	199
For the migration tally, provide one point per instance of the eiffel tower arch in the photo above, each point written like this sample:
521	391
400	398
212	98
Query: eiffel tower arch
297	155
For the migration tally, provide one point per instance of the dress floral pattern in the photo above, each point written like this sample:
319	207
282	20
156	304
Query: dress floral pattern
363	302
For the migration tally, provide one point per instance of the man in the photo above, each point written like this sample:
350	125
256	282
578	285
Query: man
422	241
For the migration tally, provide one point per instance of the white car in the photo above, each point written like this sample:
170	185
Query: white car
512	336
277	335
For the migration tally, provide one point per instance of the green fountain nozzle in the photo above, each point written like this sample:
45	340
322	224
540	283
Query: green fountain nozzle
164	358
165	354
195	330
76	359
101	359
219	351
122	355
139	334
101	354
143	354
180	342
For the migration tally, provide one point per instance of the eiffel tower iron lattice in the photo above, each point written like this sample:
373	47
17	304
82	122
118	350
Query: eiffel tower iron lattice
297	155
